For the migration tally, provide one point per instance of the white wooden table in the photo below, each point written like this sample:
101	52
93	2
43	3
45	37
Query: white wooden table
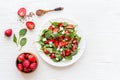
100	20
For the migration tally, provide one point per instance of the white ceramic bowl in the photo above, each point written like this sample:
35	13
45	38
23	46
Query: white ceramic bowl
81	46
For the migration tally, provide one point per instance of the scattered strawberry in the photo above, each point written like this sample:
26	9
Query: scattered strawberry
67	52
55	30
20	66
74	41
33	66
21	57
32	58
74	47
63	53
26	63
69	26
30	25
22	12
67	38
45	51
60	37
56	43
62	43
60	24
52	56
8	32
51	27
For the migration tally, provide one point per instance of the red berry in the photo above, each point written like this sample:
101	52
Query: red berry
51	27
21	57
46	51
63	53
26	63
67	32
60	37
30	25
27	55
62	43
74	41
32	58
55	30
8	32
33	66
74	47
70	26
56	43
67	38
52	56
67	52
60	24
22	12
20	66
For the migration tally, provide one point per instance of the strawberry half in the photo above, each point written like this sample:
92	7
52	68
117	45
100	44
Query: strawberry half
62	43
74	47
60	24
50	27
55	30
56	43
45	51
52	56
67	52
30	25
70	27
22	12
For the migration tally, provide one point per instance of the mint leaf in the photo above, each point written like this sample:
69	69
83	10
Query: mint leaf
22	32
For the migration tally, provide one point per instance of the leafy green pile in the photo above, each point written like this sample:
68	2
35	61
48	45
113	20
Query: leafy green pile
60	41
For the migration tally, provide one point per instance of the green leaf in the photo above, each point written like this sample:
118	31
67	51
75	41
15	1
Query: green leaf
48	34
74	52
55	24
15	39
23	42
44	31
49	49
55	35
68	57
65	24
78	38
22	32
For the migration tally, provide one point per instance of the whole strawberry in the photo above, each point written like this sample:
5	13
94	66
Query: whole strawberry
33	66
26	63
32	58
8	32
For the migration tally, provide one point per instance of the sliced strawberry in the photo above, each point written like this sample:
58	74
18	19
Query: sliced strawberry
46	51
60	37
56	43
70	27
50	27
22	12
74	41
52	56
30	25
67	38
48	41
67	32
63	53
67	52
62	43
8	32
55	30
60	24
74	47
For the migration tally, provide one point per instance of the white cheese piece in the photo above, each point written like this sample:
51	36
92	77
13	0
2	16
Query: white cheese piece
61	28
61	49
44	39
63	32
50	42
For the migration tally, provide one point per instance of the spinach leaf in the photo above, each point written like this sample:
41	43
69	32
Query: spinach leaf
22	32
15	39
23	42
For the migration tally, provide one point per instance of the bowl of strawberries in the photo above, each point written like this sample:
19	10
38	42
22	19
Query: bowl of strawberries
26	62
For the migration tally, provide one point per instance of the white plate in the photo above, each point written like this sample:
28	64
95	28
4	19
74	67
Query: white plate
82	44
